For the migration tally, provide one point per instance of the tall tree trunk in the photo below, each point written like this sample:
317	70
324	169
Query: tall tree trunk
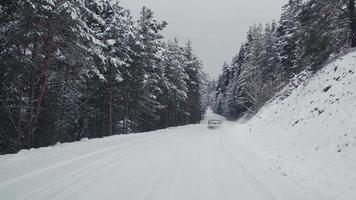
110	109
24	48
2	85
352	22
47	45
94	123
64	129
135	111
175	115
126	111
105	119
28	138
19	117
32	94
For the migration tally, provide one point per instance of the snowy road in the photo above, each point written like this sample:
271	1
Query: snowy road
191	162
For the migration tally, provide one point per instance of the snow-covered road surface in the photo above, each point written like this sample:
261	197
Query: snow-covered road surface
191	162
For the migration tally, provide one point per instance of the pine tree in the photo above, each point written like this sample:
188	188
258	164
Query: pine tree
146	72
174	90
288	33
195	83
346	8
308	34
84	68
233	109
223	83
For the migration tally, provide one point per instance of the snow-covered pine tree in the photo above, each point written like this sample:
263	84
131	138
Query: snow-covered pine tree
232	109
174	90
251	95
221	88
255	74
44	54
195	83
146	72
327	33
12	62
72	60
345	9
84	68
288	33
273	76
308	33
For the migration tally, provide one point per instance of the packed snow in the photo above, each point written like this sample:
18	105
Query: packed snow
190	162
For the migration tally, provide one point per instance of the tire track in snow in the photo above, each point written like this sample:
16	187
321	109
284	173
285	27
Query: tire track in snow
236	164
191	163
81	175
217	155
105	154
104	172
152	181
71	179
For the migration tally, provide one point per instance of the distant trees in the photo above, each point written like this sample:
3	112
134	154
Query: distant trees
84	68
308	33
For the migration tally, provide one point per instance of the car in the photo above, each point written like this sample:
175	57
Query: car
214	123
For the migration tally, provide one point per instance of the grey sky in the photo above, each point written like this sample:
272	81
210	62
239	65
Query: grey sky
216	27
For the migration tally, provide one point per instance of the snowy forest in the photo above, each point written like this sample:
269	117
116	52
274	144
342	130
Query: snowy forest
100	100
73	69
277	54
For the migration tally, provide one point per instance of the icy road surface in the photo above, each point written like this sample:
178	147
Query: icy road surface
184	163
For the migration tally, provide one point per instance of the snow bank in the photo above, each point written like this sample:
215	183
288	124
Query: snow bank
310	136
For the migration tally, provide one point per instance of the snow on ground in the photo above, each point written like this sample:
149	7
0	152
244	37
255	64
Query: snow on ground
190	162
310	137
299	148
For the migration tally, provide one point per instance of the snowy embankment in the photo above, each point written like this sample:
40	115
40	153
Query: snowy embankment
310	136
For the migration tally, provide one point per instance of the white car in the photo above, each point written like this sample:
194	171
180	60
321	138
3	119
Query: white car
214	123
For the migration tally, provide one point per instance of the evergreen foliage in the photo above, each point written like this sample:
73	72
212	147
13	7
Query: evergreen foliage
85	68
308	34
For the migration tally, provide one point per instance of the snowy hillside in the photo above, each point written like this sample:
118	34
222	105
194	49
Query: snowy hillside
310	137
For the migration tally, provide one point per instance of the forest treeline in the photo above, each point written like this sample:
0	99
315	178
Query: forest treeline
308	34
71	69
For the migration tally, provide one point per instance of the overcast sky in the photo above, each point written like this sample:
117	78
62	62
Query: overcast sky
216	27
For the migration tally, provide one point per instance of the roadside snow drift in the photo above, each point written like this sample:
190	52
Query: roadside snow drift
310	137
